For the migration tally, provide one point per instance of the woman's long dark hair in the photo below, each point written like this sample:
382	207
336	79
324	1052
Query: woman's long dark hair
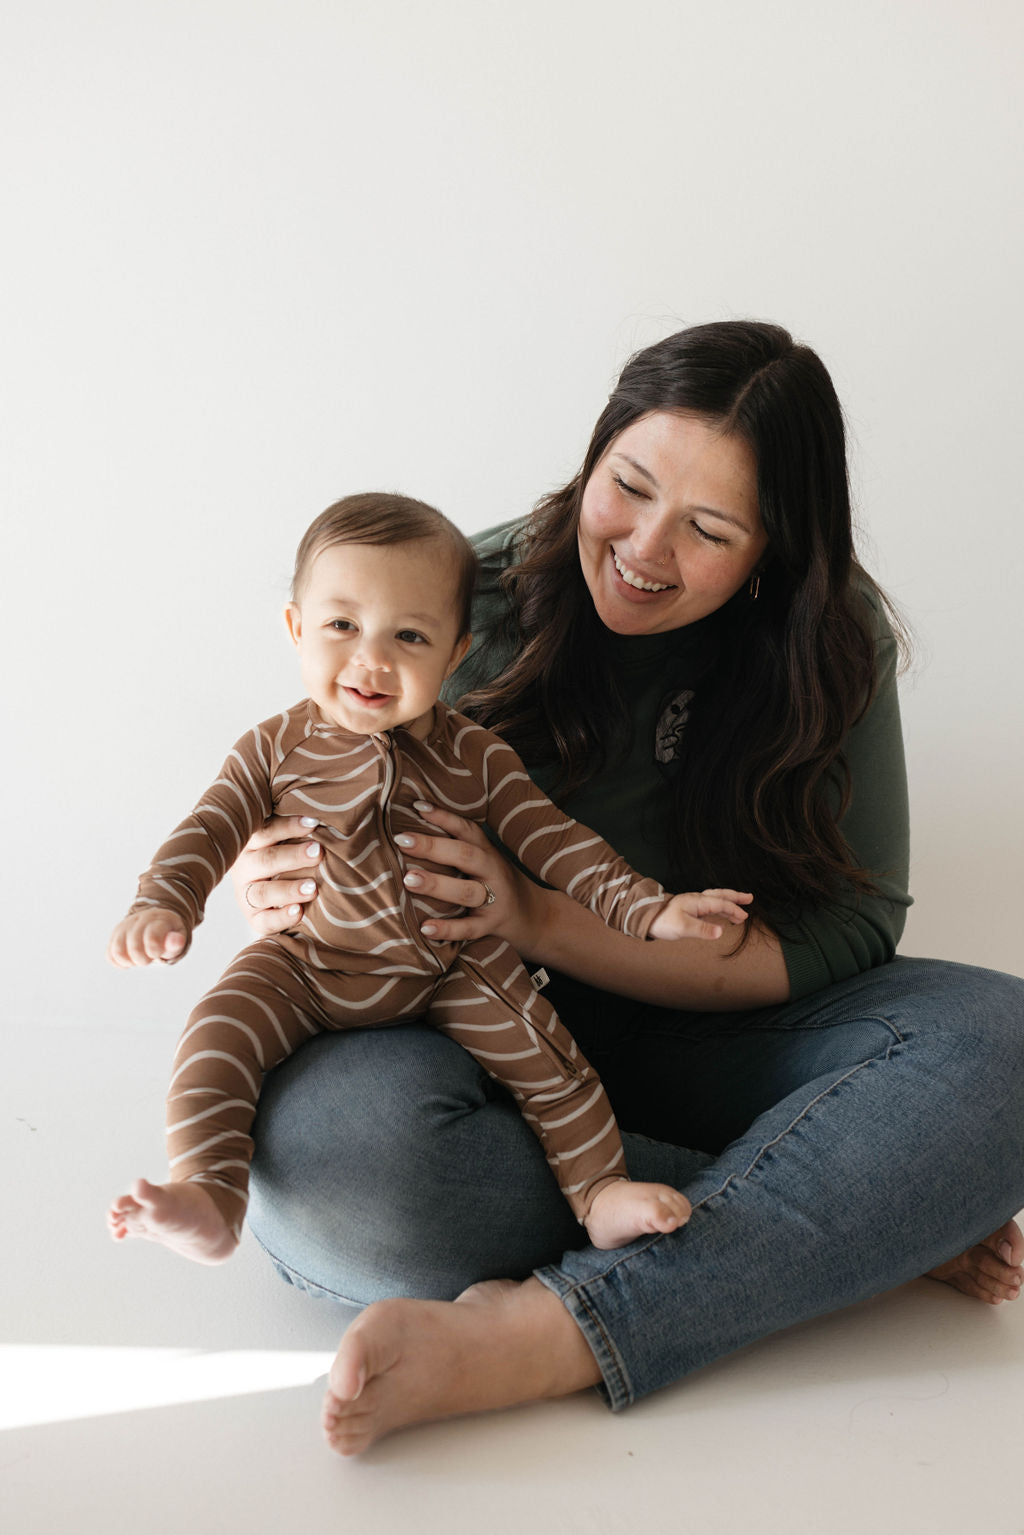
761	783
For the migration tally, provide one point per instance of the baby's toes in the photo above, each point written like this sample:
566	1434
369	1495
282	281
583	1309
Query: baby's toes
662	1217
330	1413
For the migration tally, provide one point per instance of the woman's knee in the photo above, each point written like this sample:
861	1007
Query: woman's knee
387	1163
978	1013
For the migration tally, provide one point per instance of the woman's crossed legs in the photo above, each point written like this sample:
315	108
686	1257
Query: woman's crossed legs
884	1124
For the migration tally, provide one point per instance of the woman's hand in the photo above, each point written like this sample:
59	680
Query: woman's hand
271	875
467	871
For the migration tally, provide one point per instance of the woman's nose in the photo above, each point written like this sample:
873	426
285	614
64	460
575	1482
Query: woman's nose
651	537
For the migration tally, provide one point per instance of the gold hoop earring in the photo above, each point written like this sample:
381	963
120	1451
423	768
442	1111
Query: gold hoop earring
754	587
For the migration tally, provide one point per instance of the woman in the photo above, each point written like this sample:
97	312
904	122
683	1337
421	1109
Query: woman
684	650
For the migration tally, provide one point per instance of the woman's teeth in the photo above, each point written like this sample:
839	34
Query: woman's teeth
632	579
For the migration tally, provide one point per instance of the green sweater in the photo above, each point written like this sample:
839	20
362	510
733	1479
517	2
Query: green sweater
630	806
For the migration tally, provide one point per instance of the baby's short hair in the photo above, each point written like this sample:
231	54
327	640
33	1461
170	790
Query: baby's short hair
380	517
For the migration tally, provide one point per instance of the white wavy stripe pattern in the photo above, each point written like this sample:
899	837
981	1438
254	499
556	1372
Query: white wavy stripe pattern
357	955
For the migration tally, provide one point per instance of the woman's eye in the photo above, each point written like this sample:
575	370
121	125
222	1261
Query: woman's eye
410	637
709	538
630	490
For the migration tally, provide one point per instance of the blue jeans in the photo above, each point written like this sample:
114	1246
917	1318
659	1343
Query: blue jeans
832	1148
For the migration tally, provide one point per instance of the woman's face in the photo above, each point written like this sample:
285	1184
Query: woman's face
669	524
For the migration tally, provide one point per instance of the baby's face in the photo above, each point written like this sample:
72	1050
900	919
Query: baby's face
376	629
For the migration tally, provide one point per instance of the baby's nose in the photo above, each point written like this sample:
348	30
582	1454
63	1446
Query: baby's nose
374	657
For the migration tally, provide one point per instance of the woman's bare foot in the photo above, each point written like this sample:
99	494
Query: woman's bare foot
182	1216
991	1271
409	1361
623	1211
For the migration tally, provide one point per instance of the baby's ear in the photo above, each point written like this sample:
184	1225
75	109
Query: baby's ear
459	654
293	622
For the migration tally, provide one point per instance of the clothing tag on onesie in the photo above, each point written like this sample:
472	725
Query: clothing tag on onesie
539	979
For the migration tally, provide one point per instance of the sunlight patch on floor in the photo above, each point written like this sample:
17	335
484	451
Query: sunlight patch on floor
52	1383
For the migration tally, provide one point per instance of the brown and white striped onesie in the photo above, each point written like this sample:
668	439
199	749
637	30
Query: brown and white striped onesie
357	956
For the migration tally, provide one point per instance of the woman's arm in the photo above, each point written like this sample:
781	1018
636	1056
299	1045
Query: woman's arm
700	975
552	929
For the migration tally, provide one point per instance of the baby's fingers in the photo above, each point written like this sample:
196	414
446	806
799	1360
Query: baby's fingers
723	903
165	944
147	938
694	928
117	948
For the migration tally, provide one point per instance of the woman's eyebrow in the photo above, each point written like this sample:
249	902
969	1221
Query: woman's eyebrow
639	469
707	511
712	511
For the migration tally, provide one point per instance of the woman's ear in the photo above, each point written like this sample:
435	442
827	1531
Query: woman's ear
458	654
293	620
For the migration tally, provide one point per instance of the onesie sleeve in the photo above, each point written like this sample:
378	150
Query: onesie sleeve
561	851
199	852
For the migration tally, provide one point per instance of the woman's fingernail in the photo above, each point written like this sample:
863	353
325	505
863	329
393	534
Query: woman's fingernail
414	879
313	850
293	911
423	806
308	820
308	887
404	841
428	929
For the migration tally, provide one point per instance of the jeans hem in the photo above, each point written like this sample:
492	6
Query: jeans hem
616	1389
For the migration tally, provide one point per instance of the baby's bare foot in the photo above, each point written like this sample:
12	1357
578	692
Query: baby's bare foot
991	1271
409	1361
182	1216
623	1211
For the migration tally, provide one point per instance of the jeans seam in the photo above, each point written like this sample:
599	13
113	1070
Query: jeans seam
734	1178
305	1283
804	1026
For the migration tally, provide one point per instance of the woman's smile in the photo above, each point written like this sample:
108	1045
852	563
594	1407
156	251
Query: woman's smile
637	582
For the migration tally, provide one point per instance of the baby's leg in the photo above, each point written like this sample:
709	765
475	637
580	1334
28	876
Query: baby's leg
487	1003
256	1016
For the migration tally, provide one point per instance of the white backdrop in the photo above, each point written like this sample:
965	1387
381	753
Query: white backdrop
262	254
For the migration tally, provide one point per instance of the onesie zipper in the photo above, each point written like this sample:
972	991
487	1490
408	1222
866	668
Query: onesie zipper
386	746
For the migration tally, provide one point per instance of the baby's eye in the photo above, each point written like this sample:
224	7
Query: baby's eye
342	625
410	637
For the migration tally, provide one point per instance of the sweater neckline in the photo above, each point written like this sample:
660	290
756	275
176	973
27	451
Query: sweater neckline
641	650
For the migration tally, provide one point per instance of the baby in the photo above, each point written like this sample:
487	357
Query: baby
380	615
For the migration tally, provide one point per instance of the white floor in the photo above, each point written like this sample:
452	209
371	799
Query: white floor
138	1392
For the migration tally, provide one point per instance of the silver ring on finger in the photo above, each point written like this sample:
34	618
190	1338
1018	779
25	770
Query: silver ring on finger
491	897
245	893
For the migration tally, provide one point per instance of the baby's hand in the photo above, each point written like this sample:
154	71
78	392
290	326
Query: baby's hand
681	917
147	936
